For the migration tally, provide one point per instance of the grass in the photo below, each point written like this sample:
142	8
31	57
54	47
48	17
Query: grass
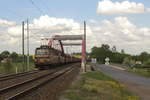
13	67
98	86
97	75
141	71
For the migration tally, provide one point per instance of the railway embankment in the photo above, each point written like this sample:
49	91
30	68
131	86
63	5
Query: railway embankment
95	85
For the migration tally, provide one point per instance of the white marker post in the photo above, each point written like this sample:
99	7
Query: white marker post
107	61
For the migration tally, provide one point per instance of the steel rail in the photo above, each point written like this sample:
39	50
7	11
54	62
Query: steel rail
14	97
11	76
54	74
22	83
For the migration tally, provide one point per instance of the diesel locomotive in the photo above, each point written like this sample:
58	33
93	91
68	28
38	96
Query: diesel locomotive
47	57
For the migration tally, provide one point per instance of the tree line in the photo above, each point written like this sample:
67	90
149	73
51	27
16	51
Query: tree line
100	53
13	57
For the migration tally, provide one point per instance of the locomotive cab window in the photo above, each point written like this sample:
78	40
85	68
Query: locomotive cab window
42	51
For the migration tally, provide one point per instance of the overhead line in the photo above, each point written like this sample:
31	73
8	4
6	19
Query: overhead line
32	2
45	5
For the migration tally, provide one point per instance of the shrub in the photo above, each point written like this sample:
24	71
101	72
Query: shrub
147	62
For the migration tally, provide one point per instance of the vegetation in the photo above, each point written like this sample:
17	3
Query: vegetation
14	67
147	62
97	86
12	62
100	53
141	71
140	63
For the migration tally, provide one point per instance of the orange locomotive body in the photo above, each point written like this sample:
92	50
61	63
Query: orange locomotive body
47	57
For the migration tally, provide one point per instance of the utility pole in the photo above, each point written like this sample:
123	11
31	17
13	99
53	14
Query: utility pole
28	57
85	38
23	58
85	44
83	64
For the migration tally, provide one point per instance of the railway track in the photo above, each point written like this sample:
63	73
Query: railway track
11	76
19	89
8	81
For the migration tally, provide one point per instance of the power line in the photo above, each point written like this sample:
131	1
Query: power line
45	5
32	2
33	35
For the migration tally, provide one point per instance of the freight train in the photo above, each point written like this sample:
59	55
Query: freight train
47	57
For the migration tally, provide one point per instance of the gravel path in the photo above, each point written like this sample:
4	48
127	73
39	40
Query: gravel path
135	83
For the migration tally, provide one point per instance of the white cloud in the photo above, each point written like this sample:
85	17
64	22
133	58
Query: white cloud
6	23
15	30
46	24
122	33
55	24
108	7
43	26
148	9
93	21
119	31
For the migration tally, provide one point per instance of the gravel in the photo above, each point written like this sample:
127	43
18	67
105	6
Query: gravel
53	89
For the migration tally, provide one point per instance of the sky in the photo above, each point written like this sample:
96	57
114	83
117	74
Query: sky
123	23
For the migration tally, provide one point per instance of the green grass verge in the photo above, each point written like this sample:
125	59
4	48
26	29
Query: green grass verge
97	86
140	71
13	67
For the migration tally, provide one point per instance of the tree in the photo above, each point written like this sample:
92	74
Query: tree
122	51
100	53
105	47
126	60
118	57
1	58
144	56
5	54
94	52
147	63
114	49
14	56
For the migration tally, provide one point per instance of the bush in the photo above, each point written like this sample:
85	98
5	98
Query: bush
128	61
7	67
147	62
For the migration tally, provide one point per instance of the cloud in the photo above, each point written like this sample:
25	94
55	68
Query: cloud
15	30
148	9
119	31
108	7
55	24
93	21
122	33
44	26
6	23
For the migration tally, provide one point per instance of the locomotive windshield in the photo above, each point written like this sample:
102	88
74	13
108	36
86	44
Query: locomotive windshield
42	51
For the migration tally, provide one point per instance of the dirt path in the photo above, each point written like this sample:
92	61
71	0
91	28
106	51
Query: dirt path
135	83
